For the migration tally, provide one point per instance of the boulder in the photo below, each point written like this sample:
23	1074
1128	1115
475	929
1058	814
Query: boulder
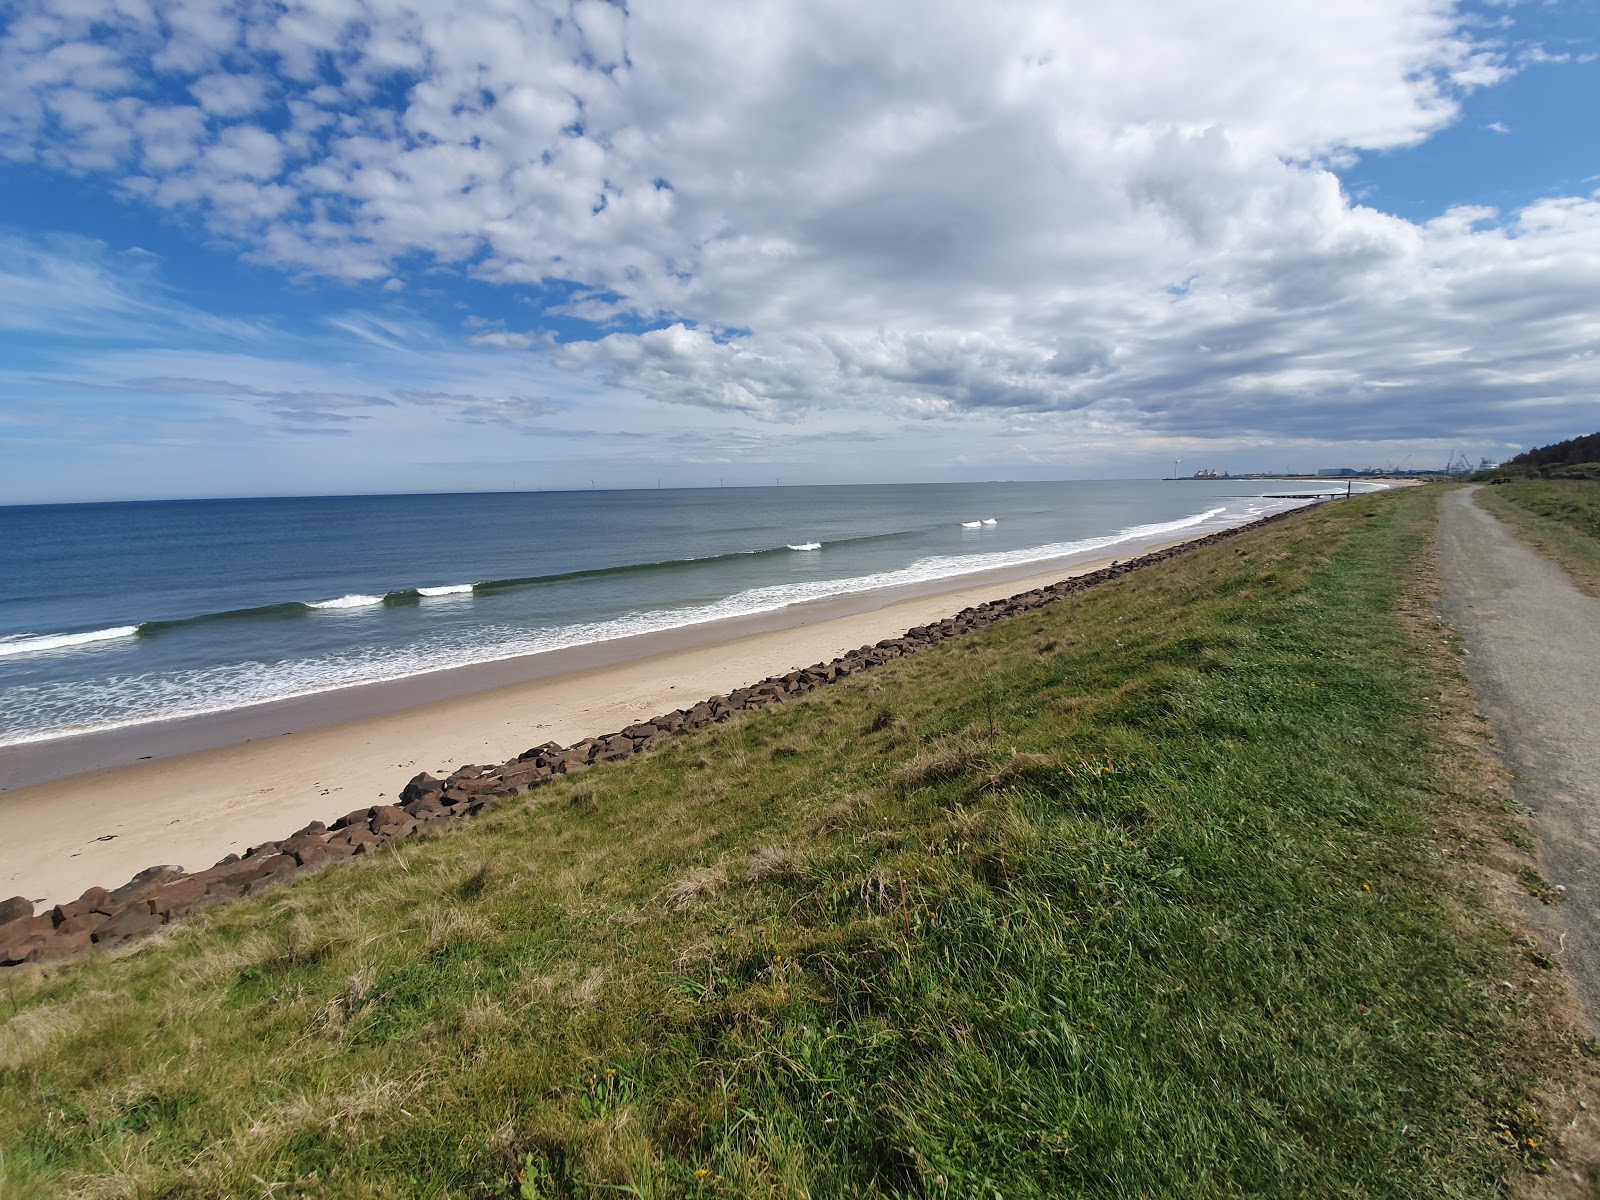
129	922
355	817
237	875
352	839
142	884
301	842
63	945
95	899
524	774
429	806
17	908
388	817
176	899
13	953
421	785
82	923
271	871
18	938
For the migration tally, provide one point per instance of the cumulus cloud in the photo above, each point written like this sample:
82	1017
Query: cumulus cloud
1121	215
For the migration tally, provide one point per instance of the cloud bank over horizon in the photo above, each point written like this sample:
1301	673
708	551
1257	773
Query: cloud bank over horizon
1001	233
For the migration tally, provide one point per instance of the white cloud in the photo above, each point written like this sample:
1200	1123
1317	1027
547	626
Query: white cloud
922	210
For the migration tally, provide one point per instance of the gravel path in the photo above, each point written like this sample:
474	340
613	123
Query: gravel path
1533	644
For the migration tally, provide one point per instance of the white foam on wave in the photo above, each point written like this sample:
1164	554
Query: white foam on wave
353	600
807	546
45	642
972	524
63	709
990	521
452	589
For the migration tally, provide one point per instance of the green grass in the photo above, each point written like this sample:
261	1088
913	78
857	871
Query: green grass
1142	894
1560	518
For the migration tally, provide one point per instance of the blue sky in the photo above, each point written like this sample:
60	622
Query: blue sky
369	245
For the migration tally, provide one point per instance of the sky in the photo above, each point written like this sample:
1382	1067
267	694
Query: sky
356	246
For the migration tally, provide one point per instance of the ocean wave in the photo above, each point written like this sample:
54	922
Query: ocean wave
45	642
990	521
299	609
972	524
47	711
353	600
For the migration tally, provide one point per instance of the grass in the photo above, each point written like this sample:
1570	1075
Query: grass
1154	892
1559	517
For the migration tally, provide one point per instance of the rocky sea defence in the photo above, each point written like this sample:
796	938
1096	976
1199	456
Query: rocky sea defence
160	895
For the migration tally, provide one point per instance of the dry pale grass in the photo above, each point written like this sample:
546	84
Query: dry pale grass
698	883
839	814
447	925
577	987
944	760
35	1031
771	862
483	1017
343	1110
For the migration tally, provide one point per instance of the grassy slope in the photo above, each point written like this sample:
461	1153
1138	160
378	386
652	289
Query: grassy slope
1561	518
1136	895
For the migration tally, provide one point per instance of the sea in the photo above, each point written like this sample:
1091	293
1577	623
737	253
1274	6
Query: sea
117	614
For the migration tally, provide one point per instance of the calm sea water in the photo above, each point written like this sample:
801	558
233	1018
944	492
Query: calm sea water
115	614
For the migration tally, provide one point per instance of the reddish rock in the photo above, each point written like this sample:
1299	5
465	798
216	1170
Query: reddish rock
18	908
426	808
262	873
142	884
421	785
82	923
525	773
19	931
356	816
129	922
96	899
350	840
176	899
18	938
302	843
62	945
387	816
237	875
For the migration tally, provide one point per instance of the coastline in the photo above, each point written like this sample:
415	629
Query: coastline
217	786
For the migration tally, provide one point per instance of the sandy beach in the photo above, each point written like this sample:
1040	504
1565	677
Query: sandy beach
190	792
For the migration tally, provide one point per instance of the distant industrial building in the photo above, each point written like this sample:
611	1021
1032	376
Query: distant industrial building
1336	472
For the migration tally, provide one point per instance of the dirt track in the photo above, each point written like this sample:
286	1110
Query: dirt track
1533	643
